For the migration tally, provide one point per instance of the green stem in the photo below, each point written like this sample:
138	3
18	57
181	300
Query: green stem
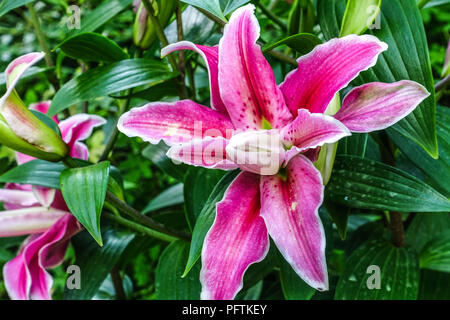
40	35
139	228
118	284
163	39
272	16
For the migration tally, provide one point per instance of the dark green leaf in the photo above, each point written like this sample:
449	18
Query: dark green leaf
437	170
434	285
233	5
294	288
424	227
84	191
198	185
407	58
367	184
8	5
399	273
435	255
36	172
96	262
206	219
109	79
212	6
339	214
156	153
92	47
354	145
169	284
303	43
170	197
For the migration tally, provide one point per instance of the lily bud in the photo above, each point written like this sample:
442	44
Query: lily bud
20	129
260	152
144	33
446	71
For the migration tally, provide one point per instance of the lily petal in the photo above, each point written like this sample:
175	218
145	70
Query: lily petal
290	209
25	276
16	70
175	123
79	127
376	106
45	196
327	69
14	198
237	239
208	153
28	221
311	130
211	57
246	80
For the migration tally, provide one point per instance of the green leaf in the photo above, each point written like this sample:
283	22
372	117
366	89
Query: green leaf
170	197
359	15
233	5
367	184
35	172
354	145
301	17
435	255
399	273
407	58
156	153
206	219
198	185
96	262
434	285
84	191
212	6
91	46
339	214
109	79
169	285
294	288
102	14
303	43
424	227
435	3
438	171
49	122
8	5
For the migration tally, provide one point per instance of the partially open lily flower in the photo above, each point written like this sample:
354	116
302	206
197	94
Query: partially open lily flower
43	214
252	119
20	129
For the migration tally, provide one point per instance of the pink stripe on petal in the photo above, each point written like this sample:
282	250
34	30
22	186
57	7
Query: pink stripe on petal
27	221
15	199
209	153
327	69
25	276
290	210
16	70
246	80
237	239
79	127
175	123
312	130
376	106
211	57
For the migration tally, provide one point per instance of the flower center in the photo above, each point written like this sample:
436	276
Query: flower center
260	152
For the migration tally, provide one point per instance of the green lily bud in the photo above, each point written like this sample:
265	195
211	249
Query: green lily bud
144	33
20	129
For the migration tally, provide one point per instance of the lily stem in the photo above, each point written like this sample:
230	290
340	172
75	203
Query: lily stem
272	16
155	228
40	35
139	228
442	84
118	285
162	37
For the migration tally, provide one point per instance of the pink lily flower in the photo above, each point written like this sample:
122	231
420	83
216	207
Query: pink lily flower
272	133
40	212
